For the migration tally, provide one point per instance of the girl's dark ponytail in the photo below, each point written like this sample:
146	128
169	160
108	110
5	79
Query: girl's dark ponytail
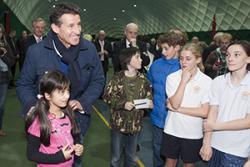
42	115
40	112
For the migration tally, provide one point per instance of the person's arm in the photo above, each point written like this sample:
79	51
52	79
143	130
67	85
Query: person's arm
206	149
198	111
193	111
95	84
238	124
214	100
35	155
176	99
26	84
78	147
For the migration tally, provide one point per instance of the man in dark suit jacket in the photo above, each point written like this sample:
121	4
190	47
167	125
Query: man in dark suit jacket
38	27
104	50
130	40
11	40
20	46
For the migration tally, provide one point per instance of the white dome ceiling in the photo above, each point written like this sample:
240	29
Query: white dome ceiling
152	16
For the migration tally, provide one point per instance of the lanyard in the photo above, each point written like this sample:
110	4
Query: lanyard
58	53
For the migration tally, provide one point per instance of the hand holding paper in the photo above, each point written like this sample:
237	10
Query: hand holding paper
142	103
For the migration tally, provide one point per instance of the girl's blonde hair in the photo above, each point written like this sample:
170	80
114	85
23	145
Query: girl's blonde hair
195	49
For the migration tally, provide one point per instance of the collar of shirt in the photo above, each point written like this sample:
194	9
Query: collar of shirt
38	39
127	44
101	43
245	81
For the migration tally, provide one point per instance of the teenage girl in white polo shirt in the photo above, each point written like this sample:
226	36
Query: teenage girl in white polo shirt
227	137
188	105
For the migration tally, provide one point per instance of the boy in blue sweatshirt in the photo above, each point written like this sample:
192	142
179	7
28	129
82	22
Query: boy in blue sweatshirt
170	44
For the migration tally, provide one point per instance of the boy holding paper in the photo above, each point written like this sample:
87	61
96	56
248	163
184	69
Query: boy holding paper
122	94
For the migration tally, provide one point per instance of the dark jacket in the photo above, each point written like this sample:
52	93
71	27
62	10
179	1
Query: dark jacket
118	46
21	48
216	58
42	57
107	47
9	59
13	46
28	42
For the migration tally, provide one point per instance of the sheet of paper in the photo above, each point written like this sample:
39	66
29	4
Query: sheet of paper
141	103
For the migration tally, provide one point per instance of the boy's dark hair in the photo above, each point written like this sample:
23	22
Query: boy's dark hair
126	55
61	9
172	39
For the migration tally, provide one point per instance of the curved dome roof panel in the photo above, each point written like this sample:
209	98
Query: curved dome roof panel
152	16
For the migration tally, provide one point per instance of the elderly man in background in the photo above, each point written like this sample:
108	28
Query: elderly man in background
130	40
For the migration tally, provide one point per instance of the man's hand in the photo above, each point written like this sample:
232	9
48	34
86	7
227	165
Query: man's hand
133	42
30	111
106	52
75	105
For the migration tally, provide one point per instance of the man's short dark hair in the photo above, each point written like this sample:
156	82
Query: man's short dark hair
126	56
61	9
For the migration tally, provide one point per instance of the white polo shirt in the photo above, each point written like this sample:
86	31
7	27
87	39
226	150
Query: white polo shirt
195	94
233	103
